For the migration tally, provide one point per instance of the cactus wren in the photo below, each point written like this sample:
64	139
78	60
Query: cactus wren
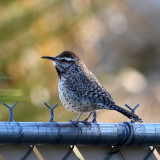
80	90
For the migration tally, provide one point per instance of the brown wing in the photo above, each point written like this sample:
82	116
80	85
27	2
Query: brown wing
88	89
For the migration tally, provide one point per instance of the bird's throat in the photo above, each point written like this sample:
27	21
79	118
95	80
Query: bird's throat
58	71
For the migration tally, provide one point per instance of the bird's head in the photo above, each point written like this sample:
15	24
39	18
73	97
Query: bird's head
64	61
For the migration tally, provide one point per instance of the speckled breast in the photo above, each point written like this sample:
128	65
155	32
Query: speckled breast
70	100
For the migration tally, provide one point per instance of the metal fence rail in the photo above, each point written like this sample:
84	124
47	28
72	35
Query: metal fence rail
110	134
52	140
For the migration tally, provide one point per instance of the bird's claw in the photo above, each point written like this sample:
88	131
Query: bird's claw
74	122
88	124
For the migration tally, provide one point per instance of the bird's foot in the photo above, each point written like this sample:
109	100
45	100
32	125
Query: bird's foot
88	124
75	123
94	120
85	121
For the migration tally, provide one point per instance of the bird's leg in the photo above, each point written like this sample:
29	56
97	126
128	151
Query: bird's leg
86	119
76	120
94	117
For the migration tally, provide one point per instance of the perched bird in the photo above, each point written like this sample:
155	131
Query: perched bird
79	89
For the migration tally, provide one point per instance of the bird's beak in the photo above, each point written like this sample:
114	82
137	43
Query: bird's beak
50	58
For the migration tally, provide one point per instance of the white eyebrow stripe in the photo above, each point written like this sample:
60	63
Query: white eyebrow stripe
65	58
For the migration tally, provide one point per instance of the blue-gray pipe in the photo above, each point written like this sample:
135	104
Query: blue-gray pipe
110	134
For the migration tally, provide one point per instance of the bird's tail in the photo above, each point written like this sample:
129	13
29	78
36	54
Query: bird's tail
125	112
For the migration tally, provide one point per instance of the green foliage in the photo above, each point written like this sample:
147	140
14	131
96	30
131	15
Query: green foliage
10	95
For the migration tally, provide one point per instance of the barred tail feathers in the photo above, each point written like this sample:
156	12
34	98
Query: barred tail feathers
125	112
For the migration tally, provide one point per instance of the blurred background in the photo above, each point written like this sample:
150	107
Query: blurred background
118	40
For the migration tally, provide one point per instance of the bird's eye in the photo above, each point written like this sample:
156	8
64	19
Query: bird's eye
63	60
